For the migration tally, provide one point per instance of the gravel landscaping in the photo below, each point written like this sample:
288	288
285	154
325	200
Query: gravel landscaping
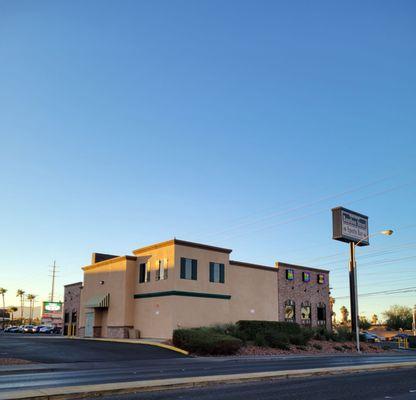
313	347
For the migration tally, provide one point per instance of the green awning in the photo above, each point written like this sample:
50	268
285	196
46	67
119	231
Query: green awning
99	301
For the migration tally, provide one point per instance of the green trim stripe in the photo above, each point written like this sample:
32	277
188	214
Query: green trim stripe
182	293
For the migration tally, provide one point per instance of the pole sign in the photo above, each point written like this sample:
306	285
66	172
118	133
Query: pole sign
349	226
52	309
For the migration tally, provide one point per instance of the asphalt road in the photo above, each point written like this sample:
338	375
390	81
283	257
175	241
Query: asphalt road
78	362
396	385
49	349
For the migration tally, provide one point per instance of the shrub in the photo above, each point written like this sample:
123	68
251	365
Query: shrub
298	339
249	329
226	329
364	323
346	347
317	346
279	340
260	340
308	333
342	334
385	347
321	333
338	348
303	348
205	341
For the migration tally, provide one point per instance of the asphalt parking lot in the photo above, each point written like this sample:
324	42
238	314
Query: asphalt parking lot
63	350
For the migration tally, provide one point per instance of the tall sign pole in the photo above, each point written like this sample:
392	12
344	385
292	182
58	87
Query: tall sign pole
351	227
355	325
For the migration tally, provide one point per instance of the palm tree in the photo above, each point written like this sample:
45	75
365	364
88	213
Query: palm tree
2	292
344	315
12	310
31	298
20	293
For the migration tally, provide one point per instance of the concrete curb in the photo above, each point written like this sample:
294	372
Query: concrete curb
135	341
67	392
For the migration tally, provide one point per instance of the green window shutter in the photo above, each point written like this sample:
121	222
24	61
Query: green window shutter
211	272
194	270
142	271
222	277
183	268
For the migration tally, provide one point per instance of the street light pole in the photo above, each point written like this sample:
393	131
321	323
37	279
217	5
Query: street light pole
414	320
355	325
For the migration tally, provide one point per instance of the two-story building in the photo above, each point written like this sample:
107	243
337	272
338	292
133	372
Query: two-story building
177	284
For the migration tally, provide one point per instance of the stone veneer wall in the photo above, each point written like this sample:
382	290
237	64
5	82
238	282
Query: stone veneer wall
72	298
118	332
300	291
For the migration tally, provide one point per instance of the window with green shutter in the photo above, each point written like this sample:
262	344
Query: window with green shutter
189	269
142	273
216	273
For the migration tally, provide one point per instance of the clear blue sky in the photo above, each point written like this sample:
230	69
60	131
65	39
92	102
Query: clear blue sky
239	124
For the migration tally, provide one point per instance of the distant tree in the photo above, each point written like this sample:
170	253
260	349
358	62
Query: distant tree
3	292
31	298
12	310
331	306
21	293
344	315
374	319
364	323
399	317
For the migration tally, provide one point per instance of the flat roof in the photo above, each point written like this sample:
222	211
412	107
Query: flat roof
73	284
250	265
287	265
181	243
109	261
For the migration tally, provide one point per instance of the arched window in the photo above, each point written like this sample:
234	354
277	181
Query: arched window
321	314
305	313
290	311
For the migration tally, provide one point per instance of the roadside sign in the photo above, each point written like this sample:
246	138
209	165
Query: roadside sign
52	309
349	226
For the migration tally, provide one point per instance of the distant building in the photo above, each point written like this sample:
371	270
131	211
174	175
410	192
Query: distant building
4	314
178	284
72	294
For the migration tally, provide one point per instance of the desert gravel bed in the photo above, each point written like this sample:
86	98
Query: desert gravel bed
327	347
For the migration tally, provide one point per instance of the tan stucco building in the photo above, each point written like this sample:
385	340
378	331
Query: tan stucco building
184	284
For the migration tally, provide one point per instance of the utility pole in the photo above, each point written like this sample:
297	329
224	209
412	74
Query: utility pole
53	280
414	320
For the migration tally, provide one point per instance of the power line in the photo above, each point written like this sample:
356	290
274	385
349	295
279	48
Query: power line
383	292
295	219
297	208
367	254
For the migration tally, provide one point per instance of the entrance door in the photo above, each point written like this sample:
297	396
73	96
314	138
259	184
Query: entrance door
89	324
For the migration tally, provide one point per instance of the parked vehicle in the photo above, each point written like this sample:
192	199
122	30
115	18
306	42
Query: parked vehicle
46	329
369	337
11	329
50	330
29	329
